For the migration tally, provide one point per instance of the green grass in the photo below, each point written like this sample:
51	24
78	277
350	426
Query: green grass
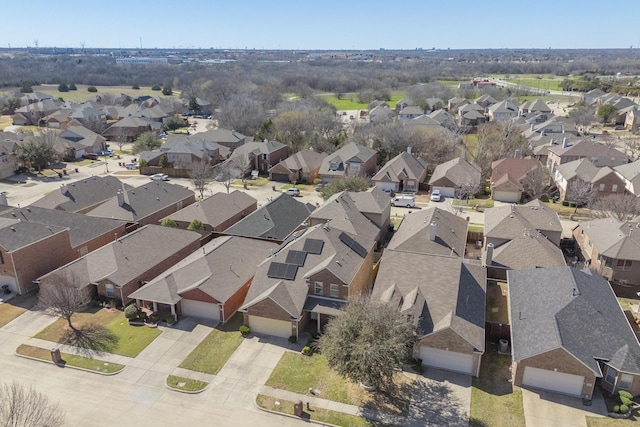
5	121
625	303
565	212
131	340
214	351
258	182
494	402
453	83
478	228
186	384
301	187
482	203
471	143
540	84
82	94
87	363
349	101
608	422
317	414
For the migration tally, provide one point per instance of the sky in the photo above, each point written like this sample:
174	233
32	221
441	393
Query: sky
322	24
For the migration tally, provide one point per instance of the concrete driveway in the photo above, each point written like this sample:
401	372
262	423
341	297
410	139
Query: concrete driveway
544	409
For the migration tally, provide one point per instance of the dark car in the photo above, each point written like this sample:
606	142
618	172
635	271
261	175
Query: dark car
91	156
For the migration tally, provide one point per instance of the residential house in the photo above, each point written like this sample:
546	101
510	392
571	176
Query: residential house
350	160
455	103
503	111
534	106
423	120
89	116
402	104
563	126
403	173
130	128
447	303
34	113
630	175
375	204
217	212
508	175
227	138
76	140
34	241
600	154
410	112
146	204
307	281
275	221
521	237
571	179
118	269
449	177
444	118
302	166
58	119
485	101
611	248
380	114
471	116
435	103
8	159
183	151
259	155
632	119
83	195
568	333
592	95
211	283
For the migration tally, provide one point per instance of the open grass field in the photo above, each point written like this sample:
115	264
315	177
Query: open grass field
129	340
349	101
82	94
541	84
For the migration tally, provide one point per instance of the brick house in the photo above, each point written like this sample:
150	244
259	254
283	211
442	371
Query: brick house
403	173
350	160
508	175
259	155
307	281
603	181
449	177
554	313
211	283
447	303
600	154
302	166
123	266
611	248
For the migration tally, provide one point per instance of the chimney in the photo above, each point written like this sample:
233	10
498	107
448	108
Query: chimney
564	143
3	199
489	258
517	154
120	196
63	189
409	149
433	227
463	154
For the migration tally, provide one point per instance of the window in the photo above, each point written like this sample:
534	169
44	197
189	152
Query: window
334	291
623	264
614	188
601	188
265	157
110	291
625	382
1	259
318	288
610	378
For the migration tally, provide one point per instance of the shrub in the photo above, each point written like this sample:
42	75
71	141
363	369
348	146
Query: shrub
317	181
131	312
143	162
135	86
544	198
624	409
572	204
306	349
167	91
624	400
155	87
62	87
72	86
565	203
244	330
293	339
625	393
616	409
92	89
168	222
196	225
170	319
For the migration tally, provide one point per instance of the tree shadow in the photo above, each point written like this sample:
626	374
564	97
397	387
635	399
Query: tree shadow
392	398
434	403
91	337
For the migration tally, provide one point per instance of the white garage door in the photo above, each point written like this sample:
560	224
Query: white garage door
553	381
205	310
507	197
446	191
389	186
449	360
263	325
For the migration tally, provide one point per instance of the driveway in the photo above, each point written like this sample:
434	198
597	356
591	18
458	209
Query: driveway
544	409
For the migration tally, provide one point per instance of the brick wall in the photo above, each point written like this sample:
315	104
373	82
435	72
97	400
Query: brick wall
268	308
449	340
234	302
198	295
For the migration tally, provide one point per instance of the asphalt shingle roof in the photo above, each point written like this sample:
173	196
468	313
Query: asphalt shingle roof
216	209
82	194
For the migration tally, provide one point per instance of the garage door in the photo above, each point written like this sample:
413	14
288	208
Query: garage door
446	191
449	360
280	177
205	310
553	381
263	325
386	186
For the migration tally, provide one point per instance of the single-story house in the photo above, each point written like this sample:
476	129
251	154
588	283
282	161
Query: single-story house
300	167
403	173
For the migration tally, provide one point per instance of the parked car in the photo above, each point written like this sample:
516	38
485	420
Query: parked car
618	127
406	201
319	187
106	153
293	191
131	166
605	132
90	156
159	177
436	196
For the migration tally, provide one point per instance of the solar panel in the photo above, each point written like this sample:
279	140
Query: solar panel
281	270
296	257
313	246
353	245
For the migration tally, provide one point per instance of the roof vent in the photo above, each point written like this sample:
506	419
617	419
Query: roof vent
13	228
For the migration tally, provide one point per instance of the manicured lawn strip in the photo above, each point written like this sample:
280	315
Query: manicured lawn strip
213	352
131	339
189	384
565	211
626	303
318	414
484	203
608	422
259	182
71	359
494	402
8	312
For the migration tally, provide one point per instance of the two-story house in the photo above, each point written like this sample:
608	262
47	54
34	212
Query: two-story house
350	160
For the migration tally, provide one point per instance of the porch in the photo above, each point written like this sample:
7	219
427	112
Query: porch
321	310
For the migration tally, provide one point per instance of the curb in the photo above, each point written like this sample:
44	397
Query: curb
106	374
291	415
186	391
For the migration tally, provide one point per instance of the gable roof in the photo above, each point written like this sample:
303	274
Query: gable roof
614	239
631	173
512	171
16	234
405	165
530	249
349	152
220	269
574	310
276	220
215	209
82	194
510	221
256	148
586	148
505	106
341	212
583	169
458	171
304	160
338	256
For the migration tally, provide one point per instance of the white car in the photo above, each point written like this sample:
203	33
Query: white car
159	177
293	191
435	196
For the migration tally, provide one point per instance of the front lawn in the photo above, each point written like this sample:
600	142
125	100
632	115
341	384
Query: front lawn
15	307
214	351
566	211
123	339
298	373
87	363
608	422
494	401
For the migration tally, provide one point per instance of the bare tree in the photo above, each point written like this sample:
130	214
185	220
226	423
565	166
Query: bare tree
62	295
580	191
632	146
23	406
623	207
467	188
227	172
536	183
583	116
201	173
241	113
498	141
